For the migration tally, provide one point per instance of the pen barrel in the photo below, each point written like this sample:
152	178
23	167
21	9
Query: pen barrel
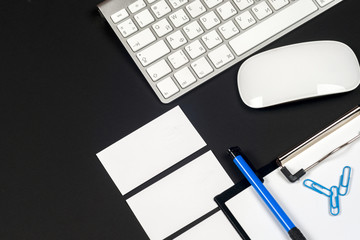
264	193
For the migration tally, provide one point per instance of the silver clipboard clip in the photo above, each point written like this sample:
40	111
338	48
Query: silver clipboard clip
282	160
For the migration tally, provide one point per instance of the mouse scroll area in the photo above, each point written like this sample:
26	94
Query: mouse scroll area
296	72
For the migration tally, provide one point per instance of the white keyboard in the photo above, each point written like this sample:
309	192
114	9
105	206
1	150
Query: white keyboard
180	44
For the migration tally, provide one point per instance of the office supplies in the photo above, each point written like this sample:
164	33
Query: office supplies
180	44
266	196
181	197
334	192
344	181
171	134
296	72
334	201
214	227
241	203
317	187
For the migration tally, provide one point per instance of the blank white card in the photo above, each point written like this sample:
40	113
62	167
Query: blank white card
150	150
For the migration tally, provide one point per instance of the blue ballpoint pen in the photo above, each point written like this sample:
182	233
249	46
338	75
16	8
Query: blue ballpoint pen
275	208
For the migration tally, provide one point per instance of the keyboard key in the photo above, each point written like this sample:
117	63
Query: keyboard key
195	8
167	87
177	3
212	3
127	28
221	56
176	39
209	20
118	16
153	53
202	67
212	39
195	49
193	30
162	27
323	2
160	8
242	4
158	70
228	29
184	77
179	18
262	10
277	4
226	10
136	6
245	20
271	26
144	18
150	1
178	59
141	39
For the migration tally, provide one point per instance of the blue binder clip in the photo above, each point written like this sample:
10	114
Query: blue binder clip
317	187
344	181
334	201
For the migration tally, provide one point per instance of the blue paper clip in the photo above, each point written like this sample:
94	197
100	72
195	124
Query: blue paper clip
334	201
344	181
317	187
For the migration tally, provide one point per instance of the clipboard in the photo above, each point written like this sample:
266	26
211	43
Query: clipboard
339	143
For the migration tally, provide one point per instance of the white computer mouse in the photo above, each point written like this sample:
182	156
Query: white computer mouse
298	71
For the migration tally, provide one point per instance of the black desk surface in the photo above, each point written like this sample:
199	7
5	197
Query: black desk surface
69	89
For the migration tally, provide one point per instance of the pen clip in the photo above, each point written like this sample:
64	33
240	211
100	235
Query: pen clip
334	201
317	187
344	181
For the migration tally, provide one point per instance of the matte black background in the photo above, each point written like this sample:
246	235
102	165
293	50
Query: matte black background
69	89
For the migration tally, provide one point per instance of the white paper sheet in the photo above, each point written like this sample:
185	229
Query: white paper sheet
181	197
150	150
307	209
216	227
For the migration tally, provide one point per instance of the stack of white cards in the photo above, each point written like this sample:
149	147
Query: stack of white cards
180	197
